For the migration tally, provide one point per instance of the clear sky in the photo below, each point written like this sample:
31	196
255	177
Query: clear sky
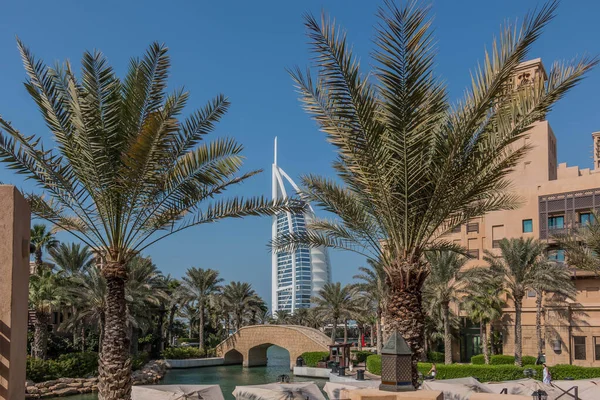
241	49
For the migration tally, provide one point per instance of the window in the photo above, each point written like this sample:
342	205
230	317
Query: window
497	235
473	253
557	222
527	226
557	255
585	218
531	293
579	344
456	229
473	227
597	348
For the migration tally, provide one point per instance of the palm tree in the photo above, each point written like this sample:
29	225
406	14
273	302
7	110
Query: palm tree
45	294
442	287
582	244
242	302
41	239
483	303
175	296
284	317
412	165
522	266
88	292
374	285
125	172
71	258
190	313
336	303
199	285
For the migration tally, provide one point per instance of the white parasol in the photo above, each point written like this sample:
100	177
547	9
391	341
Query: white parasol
177	392
279	391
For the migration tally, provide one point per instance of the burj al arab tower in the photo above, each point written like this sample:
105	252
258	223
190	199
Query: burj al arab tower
300	275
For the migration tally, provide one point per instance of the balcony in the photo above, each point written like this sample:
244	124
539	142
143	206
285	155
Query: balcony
473	253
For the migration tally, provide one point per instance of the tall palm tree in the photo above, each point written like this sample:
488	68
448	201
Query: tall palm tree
442	287
189	313
125	172
199	285
483	303
582	245
284	317
42	239
373	283
412	165
175	299
88	292
45	294
522	266
336	303
242	302
555	280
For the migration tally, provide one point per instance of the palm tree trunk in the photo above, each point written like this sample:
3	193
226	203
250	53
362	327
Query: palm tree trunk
379	330
372	338
484	342
404	311
40	335
447	335
172	312
39	263
333	331
82	337
201	326
345	331
518	332
360	334
114	365
101	338
538	323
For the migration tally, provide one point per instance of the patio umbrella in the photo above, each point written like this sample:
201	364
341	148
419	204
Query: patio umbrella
177	392
279	391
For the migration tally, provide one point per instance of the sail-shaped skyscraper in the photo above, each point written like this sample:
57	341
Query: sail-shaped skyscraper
300	275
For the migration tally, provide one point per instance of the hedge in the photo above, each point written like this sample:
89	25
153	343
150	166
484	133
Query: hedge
311	358
500	359
181	353
361	355
374	364
71	365
494	373
436	357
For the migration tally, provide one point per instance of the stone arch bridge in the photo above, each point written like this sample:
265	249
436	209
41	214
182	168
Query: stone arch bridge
248	346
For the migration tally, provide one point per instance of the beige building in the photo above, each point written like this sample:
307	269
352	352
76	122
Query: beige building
556	198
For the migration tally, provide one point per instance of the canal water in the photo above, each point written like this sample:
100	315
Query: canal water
228	377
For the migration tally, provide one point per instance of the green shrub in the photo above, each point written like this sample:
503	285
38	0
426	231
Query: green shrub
311	358
436	357
180	353
560	372
140	360
501	359
361	355
72	365
374	364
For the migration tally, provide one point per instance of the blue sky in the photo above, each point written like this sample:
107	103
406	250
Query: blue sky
241	49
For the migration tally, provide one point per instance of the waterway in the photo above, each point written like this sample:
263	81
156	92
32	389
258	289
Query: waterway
228	377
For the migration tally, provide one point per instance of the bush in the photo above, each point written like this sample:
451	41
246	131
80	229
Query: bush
180	353
361	355
73	365
500	359
140	360
436	357
560	372
311	358
374	364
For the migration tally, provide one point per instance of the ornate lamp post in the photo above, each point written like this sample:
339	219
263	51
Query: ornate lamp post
396	365
539	395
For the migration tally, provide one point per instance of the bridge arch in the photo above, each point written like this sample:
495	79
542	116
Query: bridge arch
252	342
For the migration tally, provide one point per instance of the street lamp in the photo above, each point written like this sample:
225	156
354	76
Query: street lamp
539	395
396	365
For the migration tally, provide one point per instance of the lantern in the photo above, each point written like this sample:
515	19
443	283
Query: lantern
396	365
539	395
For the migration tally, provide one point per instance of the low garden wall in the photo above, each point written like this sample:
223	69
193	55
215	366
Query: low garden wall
150	373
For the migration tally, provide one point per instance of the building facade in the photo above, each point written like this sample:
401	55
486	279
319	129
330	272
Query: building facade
555	199
297	276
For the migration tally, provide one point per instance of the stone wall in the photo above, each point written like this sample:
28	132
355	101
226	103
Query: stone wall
150	374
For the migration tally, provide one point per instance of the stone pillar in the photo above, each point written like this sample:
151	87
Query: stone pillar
15	221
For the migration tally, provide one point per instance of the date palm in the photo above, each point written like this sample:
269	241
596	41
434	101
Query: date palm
582	245
442	287
336	303
199	285
46	292
241	302
72	258
42	239
125	172
412	165
483	303
373	284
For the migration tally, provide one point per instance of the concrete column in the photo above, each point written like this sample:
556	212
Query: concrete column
15	221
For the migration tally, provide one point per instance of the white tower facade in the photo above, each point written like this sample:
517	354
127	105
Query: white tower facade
298	276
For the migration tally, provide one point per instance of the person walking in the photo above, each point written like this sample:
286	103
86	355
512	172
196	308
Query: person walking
547	376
